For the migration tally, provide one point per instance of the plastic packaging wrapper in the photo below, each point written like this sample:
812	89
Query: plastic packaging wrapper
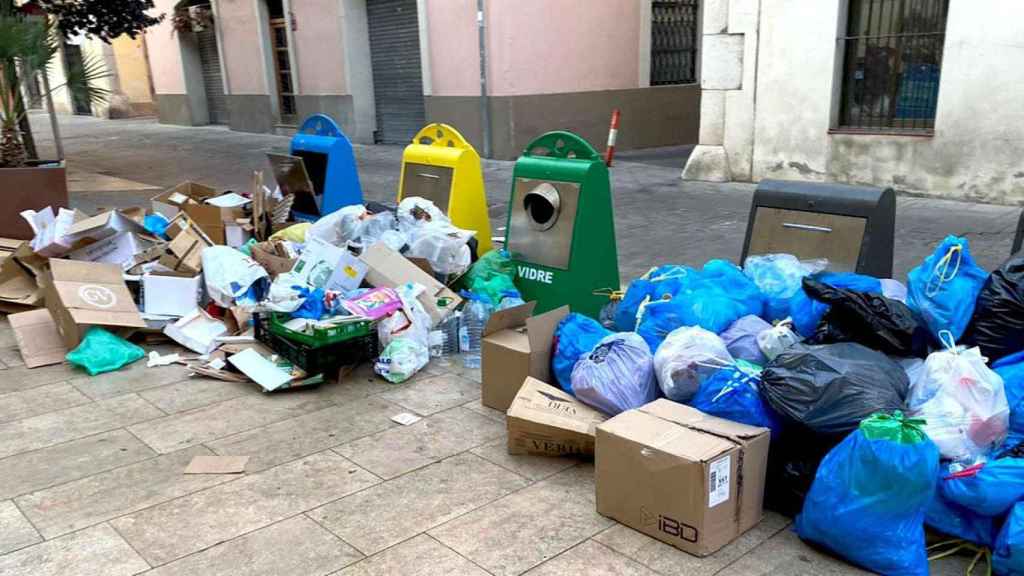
414	211
1011	370
1008	553
777	339
50	230
401	359
575	336
830	388
411	321
959	522
339	227
998	323
741	339
894	289
869	319
375	227
944	288
778	277
963	402
661	283
156	224
688	357
228	274
618	375
989	489
100	351
294	233
869	497
807	311
732	393
444	246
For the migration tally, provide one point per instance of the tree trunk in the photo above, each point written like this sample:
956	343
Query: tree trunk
26	137
12	153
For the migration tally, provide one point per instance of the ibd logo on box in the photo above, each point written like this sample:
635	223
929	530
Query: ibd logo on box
542	276
98	296
669	526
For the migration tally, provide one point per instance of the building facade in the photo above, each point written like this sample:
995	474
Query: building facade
384	68
921	95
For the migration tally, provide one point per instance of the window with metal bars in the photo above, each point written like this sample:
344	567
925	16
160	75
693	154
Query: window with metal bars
891	65
674	26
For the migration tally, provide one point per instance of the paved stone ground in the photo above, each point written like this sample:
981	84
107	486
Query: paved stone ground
91	467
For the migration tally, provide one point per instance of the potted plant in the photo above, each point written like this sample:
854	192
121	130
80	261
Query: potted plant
28	45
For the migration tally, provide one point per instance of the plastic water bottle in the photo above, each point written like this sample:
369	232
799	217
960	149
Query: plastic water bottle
474	318
510	299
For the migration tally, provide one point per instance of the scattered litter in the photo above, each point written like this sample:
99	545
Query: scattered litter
217	465
100	351
155	359
260	370
37	337
197	331
406	418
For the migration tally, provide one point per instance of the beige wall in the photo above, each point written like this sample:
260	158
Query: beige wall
165	53
132	69
238	30
318	48
453	46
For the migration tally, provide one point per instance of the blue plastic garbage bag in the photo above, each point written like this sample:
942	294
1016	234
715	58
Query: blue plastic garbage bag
156	224
741	339
1011	370
100	351
661	283
944	288
731	393
575	336
313	307
959	522
778	278
659	318
617	375
989	490
1008	553
729	278
808	312
869	496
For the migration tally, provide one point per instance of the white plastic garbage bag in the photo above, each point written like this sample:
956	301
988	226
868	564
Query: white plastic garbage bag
443	246
228	274
415	211
340	226
375	226
962	401
617	375
401	359
284	295
776	339
404	337
688	356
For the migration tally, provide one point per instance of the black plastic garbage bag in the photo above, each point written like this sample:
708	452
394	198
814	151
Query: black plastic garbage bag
830	388
997	326
873	320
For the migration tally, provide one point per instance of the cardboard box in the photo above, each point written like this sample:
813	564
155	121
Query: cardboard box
676	474
190	197
545	420
22	276
102	226
186	245
170	293
516	345
120	249
38	339
170	202
388	269
83	294
269	255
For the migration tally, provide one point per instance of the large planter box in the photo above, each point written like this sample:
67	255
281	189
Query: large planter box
30	188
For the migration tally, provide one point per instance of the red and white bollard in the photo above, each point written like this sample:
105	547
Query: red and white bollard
613	134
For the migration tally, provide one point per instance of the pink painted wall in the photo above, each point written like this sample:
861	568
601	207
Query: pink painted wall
545	46
454	47
318	48
238	27
164	53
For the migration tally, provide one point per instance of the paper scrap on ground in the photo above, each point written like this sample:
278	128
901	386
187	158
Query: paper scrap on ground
155	359
217	465
406	418
260	370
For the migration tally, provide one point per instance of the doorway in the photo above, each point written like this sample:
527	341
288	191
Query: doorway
397	72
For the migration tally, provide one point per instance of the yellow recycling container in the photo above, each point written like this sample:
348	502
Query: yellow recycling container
441	166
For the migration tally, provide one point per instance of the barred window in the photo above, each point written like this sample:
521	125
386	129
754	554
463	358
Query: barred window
892	63
674	28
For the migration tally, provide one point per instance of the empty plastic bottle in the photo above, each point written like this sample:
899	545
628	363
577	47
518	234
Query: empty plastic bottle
474	318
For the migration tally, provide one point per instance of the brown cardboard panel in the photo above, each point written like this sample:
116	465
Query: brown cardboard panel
388	269
38	339
82	294
541	331
511	352
509	318
545	420
22	276
169	203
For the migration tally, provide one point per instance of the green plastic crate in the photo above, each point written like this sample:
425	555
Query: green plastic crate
320	336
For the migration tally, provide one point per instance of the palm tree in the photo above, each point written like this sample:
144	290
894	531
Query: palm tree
28	44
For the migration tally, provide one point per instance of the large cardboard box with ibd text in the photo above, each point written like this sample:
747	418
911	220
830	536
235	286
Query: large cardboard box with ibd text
516	345
676	474
545	420
83	294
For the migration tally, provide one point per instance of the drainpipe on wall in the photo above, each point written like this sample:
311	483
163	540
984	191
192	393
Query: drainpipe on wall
485	104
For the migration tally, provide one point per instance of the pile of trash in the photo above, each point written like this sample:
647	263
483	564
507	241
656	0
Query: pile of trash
891	407
250	294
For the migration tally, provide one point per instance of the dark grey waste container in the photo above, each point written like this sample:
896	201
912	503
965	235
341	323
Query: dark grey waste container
852	226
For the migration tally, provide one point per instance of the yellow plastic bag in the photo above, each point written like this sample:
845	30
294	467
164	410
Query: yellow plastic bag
293	233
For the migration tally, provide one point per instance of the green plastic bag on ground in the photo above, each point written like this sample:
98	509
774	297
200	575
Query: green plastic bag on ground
101	351
492	276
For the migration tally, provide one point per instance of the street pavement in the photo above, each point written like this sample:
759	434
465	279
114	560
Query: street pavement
91	468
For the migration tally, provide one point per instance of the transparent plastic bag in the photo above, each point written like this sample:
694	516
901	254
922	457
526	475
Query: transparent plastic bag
340	226
100	351
401	359
688	357
963	402
617	375
776	339
778	278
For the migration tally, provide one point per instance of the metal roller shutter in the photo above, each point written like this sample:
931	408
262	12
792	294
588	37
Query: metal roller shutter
397	77
213	82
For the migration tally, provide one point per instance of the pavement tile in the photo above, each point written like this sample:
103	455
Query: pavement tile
419	556
18	378
10	356
388	513
433	394
196	393
133	378
671	561
529	465
404	448
41	400
73	423
294	438
360	383
592	559
15	530
53	465
186	525
294	546
98	550
479	408
519	531
113	493
179	431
